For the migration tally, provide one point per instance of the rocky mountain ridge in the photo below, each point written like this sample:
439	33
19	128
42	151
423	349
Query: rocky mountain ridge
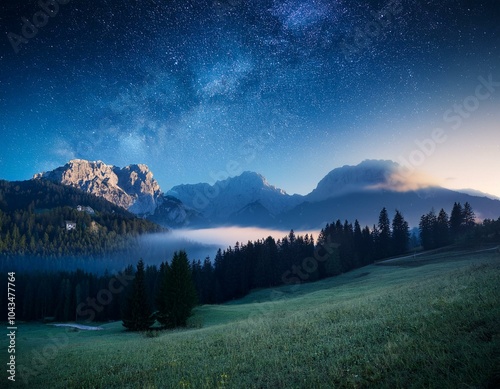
249	200
132	187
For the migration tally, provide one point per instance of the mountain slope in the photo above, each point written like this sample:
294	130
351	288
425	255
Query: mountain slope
40	217
348	179
366	205
227	199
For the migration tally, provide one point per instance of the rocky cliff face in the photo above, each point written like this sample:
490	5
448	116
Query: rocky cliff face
132	187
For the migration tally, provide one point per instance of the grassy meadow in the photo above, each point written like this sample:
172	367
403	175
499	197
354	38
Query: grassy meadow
431	322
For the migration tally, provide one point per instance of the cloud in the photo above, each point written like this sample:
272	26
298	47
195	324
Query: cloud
400	180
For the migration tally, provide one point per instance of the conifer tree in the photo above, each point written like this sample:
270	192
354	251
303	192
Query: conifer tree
456	220
177	297
384	237
161	314
358	244
400	234
468	217
442	231
427	227
137	314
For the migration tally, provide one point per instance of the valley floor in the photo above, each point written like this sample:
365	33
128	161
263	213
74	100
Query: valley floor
432	325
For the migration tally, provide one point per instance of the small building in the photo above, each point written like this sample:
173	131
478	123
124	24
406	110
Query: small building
70	225
89	210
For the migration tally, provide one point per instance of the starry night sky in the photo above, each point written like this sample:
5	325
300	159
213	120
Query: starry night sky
288	88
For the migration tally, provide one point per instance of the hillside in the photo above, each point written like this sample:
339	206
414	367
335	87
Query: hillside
432	324
39	217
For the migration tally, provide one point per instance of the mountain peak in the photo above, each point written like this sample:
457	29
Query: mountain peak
220	200
253	180
132	187
346	179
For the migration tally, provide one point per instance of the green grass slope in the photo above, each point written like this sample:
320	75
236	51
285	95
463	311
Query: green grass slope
435	324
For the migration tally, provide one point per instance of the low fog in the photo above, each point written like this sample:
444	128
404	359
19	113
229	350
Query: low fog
152	248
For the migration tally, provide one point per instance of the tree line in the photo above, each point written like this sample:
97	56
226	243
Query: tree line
235	271
268	263
138	297
175	296
441	230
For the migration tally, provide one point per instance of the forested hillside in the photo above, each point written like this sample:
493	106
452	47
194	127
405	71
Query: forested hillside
43	218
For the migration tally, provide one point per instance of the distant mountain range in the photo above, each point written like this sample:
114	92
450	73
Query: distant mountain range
348	192
236	198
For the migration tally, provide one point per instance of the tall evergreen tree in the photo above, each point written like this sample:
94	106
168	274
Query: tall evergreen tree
384	234
427	229
178	297
137	315
456	220
332	265
400	234
358	245
442	230
367	246
207	283
162	290
347	247
468	217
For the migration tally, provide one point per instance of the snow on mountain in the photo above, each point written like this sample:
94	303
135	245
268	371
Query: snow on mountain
229	197
132	187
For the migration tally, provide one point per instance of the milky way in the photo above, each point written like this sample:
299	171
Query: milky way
277	86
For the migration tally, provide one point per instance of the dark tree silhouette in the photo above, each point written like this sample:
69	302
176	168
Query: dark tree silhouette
427	229
442	229
177	297
468	217
456	220
400	234
137	315
383	243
